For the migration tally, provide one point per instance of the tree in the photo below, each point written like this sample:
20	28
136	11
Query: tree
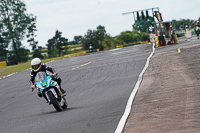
14	21
31	36
77	39
129	36
102	28
37	52
3	46
72	43
180	24
31	39
144	36
23	55
94	37
56	42
143	24
109	42
126	36
132	36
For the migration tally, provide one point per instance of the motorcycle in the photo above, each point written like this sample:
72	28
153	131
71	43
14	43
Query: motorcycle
50	90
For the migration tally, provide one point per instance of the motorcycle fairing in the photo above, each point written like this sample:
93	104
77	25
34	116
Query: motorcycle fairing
45	82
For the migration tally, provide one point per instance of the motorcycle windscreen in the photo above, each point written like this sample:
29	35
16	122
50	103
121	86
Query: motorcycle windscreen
42	80
40	76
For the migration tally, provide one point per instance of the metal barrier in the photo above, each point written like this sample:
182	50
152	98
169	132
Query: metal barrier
75	54
181	34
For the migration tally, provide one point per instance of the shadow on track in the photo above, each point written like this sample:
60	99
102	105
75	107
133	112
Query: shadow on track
55	112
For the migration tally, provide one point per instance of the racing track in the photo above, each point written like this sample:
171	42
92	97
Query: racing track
98	86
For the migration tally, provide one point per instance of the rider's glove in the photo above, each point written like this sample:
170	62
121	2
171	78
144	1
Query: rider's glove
55	74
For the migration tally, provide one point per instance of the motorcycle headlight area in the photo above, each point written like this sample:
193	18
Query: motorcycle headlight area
43	85
39	86
48	82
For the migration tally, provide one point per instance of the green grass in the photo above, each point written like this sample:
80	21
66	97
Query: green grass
76	45
21	66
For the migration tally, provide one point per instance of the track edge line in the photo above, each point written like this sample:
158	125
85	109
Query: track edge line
126	114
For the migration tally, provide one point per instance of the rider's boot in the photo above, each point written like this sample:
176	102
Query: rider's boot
39	93
63	91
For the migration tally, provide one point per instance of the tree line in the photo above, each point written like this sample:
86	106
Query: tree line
98	38
180	24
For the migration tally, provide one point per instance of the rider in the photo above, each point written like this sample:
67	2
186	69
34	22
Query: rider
90	47
197	29
36	67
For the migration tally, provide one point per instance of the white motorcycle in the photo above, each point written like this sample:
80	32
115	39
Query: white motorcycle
50	90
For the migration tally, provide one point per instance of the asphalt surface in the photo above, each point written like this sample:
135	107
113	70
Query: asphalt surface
168	99
191	55
98	86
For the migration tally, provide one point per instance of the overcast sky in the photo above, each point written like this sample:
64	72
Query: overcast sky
75	17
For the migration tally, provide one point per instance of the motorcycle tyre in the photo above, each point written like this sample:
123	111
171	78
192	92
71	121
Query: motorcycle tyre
54	101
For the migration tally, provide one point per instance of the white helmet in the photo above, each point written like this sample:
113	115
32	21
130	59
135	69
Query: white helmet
36	64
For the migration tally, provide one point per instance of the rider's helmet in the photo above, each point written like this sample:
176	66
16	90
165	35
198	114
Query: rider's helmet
36	64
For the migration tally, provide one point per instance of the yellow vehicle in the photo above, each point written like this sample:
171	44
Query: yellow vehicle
3	61
165	34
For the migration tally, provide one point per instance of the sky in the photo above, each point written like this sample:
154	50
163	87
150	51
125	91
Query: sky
75	17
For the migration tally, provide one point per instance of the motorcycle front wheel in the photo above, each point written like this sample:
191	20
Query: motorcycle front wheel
54	101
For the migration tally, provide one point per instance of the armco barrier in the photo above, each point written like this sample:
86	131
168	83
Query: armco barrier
131	44
193	32
119	46
94	50
143	42
3	63
75	54
181	34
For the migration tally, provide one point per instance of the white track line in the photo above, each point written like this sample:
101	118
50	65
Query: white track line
124	118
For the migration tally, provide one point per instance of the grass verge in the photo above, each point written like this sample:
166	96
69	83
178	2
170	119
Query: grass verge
21	66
